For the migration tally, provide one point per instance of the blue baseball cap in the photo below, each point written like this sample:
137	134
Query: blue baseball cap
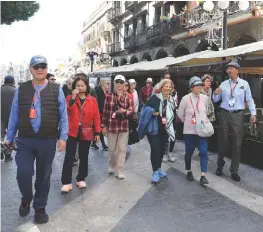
233	64
38	60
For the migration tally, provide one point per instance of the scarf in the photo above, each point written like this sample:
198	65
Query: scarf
169	115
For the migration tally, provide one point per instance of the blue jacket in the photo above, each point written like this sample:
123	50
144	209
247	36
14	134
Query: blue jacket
148	124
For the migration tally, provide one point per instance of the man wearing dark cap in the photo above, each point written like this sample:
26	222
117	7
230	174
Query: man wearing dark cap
233	93
7	94
38	110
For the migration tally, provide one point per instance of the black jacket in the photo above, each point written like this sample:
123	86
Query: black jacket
100	98
7	95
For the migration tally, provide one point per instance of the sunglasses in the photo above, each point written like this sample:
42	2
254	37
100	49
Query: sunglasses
119	82
40	66
52	79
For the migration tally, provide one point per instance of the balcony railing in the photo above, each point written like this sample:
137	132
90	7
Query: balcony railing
114	13
114	47
130	4
134	40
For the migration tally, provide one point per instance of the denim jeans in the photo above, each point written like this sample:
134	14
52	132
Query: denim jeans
191	142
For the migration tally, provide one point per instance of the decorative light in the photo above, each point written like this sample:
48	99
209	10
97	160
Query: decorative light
208	6
243	5
223	4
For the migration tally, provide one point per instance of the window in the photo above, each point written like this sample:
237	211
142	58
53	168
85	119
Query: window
134	26
158	13
167	10
126	30
144	24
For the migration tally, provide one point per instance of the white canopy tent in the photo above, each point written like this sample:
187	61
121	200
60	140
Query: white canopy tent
251	50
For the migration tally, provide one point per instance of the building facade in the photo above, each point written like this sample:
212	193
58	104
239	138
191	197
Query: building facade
96	37
150	30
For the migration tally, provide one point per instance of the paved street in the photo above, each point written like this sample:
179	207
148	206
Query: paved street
109	205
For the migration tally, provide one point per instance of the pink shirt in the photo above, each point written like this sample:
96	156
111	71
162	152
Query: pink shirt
186	111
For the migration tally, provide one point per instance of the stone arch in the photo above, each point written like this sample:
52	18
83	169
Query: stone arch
115	63
146	56
161	54
123	61
181	51
241	40
204	45
134	60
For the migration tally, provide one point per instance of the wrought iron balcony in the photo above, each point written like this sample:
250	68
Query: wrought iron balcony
129	5
114	47
114	13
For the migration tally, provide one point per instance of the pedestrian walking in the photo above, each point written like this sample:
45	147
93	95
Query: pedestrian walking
51	77
134	95
146	92
7	94
102	90
117	109
163	108
193	107
84	127
39	113
233	93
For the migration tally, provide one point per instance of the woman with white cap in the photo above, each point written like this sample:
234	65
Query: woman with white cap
192	104
134	95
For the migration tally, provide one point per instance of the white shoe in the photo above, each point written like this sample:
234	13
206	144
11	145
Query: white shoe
66	188
81	184
120	176
171	158
111	170
165	159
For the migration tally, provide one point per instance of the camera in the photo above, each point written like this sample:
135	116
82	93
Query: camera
121	116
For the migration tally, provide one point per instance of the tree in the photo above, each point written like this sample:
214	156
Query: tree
12	11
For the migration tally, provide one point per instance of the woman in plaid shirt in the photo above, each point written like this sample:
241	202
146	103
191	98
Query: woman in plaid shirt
117	109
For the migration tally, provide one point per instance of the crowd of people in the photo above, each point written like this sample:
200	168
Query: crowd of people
40	118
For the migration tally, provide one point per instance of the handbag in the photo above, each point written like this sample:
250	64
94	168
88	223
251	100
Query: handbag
204	128
85	132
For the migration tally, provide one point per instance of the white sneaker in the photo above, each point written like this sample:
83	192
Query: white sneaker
81	184
66	188
111	170
171	157
120	176
165	158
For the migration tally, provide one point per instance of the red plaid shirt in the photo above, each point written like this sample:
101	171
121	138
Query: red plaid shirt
113	124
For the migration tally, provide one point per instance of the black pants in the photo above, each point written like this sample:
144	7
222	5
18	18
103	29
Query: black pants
29	150
157	144
69	158
101	140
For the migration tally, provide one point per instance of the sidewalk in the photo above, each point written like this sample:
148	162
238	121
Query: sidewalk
110	205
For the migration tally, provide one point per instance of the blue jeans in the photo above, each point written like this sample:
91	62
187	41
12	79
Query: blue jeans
191	142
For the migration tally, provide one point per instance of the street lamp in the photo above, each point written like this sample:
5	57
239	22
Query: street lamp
92	55
223	5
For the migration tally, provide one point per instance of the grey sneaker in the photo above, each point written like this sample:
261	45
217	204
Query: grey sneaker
165	159
171	157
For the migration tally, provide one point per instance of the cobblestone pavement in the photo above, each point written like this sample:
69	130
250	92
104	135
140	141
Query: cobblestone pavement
135	205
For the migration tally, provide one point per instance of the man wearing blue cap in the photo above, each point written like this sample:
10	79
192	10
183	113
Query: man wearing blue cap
233	93
7	94
38	110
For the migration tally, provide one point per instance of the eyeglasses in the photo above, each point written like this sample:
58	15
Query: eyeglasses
40	66
119	82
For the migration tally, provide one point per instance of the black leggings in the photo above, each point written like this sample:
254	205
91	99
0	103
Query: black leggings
71	147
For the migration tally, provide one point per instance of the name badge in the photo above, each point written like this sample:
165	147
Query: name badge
163	120
32	113
232	101
193	121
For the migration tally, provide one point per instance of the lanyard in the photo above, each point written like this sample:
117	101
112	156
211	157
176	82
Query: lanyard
232	89
197	103
38	93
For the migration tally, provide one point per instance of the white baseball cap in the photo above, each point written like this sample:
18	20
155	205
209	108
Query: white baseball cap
149	80
132	81
119	77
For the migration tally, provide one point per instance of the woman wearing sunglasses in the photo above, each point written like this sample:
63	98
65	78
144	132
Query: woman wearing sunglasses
84	127
117	109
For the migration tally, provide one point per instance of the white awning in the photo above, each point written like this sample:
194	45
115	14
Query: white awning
251	50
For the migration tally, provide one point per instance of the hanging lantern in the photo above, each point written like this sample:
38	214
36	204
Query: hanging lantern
208	6
223	4
243	5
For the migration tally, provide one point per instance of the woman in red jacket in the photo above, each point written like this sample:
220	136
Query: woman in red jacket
84	127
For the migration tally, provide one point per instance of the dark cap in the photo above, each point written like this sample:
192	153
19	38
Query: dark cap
9	79
35	60
233	64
